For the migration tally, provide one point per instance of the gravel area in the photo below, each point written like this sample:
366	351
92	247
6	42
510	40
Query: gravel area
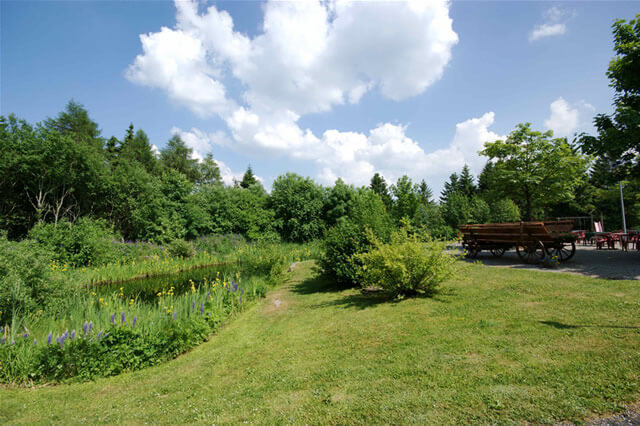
608	264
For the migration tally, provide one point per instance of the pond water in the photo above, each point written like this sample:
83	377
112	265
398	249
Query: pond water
145	289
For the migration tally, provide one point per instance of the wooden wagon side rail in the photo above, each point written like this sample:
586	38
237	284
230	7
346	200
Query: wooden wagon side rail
532	240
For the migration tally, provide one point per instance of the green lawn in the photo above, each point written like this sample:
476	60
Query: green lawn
498	345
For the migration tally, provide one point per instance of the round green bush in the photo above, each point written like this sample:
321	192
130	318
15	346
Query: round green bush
180	248
410	264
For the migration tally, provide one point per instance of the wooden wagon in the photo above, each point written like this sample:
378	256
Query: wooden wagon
532	240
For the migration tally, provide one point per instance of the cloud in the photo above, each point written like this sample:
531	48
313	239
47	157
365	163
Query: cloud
554	25
310	56
386	149
565	119
547	30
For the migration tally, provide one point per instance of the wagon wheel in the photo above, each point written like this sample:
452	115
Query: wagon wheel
472	250
564	251
531	253
497	252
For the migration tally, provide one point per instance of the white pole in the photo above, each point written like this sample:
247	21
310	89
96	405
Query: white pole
624	221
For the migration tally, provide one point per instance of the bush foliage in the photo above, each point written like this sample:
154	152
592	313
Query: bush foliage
87	241
409	264
27	282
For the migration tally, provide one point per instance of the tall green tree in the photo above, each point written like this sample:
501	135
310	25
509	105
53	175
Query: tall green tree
379	186
534	169
248	179
619	133
406	199
136	147
209	172
339	202
466	183
45	176
75	122
450	187
425	193
179	157
297	203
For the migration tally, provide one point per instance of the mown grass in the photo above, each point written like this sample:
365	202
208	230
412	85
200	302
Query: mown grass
495	346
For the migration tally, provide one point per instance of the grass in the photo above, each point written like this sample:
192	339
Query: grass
496	346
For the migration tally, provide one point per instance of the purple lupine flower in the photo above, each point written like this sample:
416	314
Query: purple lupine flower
235	286
90	326
13	342
58	339
99	336
49	338
3	340
193	305
85	327
135	320
113	318
73	335
175	314
201	308
65	335
122	317
25	335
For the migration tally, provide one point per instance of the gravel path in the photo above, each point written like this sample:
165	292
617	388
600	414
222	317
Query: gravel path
608	264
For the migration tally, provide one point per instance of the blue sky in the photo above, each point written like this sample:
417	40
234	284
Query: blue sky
392	88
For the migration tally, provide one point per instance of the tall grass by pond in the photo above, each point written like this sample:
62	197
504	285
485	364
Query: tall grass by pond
160	263
105	334
127	325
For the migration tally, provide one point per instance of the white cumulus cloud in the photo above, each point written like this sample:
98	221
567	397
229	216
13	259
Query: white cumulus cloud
310	56
565	118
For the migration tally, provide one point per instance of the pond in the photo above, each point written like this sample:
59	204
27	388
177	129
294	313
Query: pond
146	289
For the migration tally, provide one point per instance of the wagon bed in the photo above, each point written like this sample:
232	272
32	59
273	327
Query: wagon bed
532	240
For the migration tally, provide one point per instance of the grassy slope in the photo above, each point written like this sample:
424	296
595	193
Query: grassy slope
498	345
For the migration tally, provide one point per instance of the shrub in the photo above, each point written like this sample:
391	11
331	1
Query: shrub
180	248
410	264
340	246
348	237
27	284
87	241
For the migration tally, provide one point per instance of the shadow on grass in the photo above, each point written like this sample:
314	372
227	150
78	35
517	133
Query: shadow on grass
562	326
322	283
318	284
